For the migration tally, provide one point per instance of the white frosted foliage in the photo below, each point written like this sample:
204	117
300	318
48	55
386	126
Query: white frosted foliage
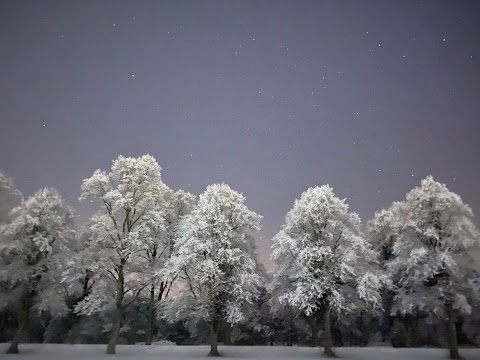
36	245
213	258
131	198
322	256
434	261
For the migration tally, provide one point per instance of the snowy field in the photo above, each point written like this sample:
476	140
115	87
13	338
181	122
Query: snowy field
140	352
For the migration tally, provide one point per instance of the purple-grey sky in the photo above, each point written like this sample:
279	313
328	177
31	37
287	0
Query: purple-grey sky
271	97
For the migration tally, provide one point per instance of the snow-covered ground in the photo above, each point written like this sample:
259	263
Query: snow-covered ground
167	352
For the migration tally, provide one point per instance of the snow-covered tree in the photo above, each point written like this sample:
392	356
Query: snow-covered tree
433	264
10	198
79	277
213	258
384	228
122	231
160	248
34	250
287	321
323	261
382	232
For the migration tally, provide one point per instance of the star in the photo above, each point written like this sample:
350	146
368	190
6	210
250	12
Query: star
133	76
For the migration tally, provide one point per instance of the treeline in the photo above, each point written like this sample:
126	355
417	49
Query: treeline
154	264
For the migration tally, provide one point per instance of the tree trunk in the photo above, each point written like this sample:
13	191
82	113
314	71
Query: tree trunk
117	324
26	304
289	340
314	324
151	317
409	330
327	341
214	338
75	330
22	321
387	320
227	333
452	334
117	317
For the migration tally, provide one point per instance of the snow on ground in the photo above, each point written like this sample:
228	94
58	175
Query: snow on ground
172	352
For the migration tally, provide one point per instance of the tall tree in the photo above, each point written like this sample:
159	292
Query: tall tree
433	257
10	198
34	251
213	257
79	277
122	231
160	248
323	261
382	232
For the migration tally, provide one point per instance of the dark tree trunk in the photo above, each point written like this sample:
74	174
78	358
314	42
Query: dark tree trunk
117	317
22	321
452	334
214	338
23	316
75	330
408	323
227	333
289	340
117	324
314	324
327	341
386	322
151	317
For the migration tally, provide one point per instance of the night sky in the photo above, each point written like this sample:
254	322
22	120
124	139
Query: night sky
271	97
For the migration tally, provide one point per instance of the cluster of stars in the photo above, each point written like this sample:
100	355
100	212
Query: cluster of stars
260	91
